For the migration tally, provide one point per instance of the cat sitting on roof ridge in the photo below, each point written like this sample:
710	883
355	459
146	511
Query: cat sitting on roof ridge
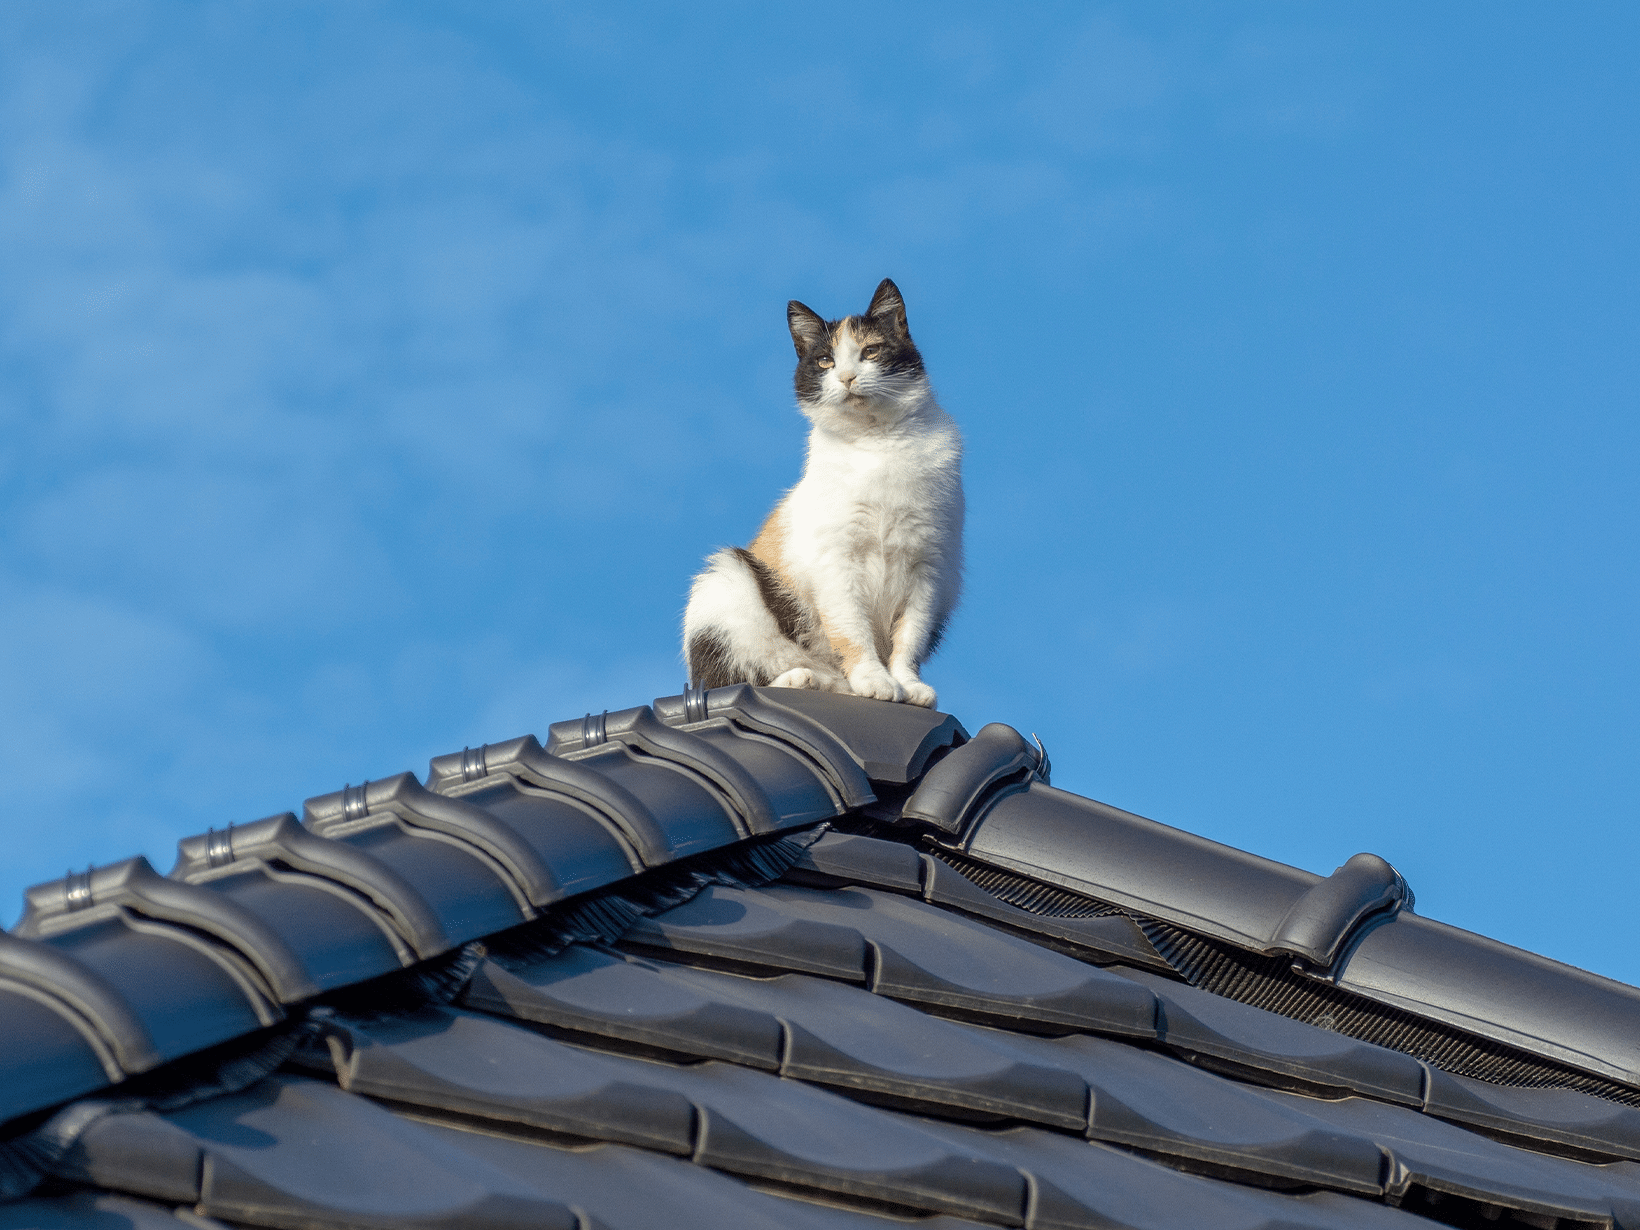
848	585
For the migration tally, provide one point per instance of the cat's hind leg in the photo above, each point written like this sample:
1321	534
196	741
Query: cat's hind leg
743	626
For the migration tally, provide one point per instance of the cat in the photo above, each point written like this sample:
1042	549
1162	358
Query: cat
849	584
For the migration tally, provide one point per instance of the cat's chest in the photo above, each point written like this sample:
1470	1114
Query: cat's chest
873	495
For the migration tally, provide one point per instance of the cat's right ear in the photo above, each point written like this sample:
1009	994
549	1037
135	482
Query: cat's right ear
807	326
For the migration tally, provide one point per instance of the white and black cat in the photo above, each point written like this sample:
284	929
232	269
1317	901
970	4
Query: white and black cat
848	585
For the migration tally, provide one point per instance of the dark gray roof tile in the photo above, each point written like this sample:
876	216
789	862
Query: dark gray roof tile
136	1152
797	791
481	1066
751	1123
575	816
761	1126
95	1211
296	1152
1084	1185
931	956
622	1188
1271	1049
581	841
335	934
68	1029
806	1027
843	1036
1151	1101
1427	1153
470	891
917	953
755	928
602	995
844	858
134	890
1558	1116
1321	922
469	895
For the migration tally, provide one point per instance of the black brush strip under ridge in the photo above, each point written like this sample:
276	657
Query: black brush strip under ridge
1032	896
1270	983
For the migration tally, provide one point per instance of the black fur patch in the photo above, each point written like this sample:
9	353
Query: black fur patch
709	661
899	356
934	640
782	603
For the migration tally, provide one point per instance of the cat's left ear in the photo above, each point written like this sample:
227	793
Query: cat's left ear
888	308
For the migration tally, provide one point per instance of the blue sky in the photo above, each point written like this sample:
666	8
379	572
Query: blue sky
374	376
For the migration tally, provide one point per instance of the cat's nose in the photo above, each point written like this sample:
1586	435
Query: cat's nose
847	378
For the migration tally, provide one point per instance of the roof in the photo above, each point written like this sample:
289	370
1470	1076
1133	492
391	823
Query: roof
755	957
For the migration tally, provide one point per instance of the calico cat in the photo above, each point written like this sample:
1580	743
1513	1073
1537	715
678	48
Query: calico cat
849	584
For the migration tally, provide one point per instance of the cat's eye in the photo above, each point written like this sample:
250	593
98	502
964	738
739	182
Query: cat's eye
823	362
870	352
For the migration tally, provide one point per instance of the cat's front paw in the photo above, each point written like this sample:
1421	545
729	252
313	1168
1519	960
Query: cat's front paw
875	682
918	693
798	677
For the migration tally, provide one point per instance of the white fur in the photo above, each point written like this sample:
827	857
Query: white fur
724	599
872	539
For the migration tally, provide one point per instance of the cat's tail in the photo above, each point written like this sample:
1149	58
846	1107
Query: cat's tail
745	625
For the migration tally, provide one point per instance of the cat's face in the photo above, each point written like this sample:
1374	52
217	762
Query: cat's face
859	370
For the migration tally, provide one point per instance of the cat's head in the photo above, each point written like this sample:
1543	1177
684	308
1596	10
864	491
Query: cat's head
861	371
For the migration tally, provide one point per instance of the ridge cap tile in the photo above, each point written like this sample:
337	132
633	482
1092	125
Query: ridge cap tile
1137	863
188	991
744	710
282	840
674	773
891	742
